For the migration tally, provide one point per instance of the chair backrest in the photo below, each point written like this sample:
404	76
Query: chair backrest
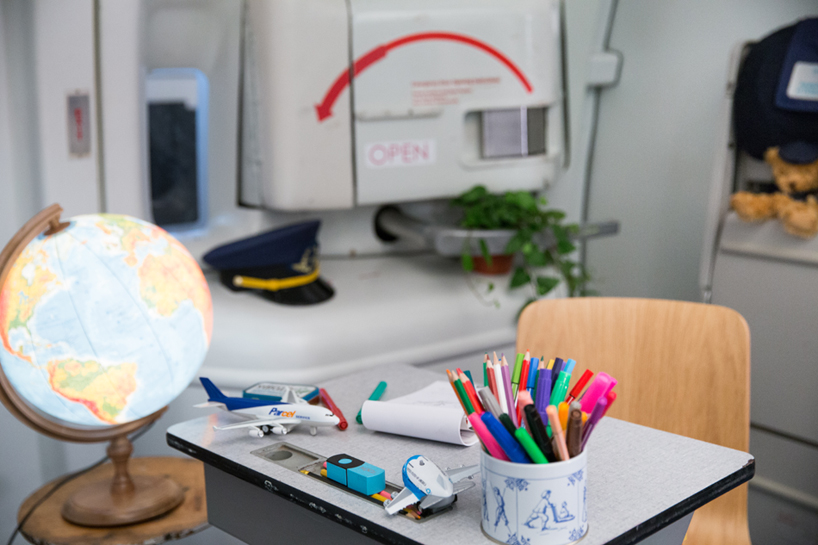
682	367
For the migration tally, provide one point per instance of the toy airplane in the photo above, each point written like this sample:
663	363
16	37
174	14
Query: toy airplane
426	483
265	417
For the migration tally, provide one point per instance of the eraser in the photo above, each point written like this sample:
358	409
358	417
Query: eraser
356	474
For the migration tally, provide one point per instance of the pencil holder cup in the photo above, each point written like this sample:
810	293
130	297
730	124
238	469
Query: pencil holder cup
535	504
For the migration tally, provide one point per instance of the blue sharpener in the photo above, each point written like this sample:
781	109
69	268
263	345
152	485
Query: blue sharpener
356	474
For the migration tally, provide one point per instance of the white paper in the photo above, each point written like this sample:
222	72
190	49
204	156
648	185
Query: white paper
430	413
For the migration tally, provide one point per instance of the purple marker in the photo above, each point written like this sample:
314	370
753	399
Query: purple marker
596	416
543	391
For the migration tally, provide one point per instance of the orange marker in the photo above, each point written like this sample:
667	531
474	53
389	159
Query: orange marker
562	410
557	437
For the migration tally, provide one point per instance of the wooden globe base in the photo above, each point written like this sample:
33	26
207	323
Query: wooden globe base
122	499
95	505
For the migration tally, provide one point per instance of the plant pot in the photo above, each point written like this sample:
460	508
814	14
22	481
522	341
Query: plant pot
500	264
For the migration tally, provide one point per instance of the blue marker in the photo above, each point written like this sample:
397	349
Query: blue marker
510	446
531	383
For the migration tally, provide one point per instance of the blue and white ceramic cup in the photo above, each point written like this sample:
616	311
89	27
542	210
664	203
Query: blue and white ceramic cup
534	504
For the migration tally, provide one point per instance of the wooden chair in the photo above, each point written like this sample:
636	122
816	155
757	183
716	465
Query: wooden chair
682	367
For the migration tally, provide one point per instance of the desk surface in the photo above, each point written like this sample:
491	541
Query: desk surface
639	479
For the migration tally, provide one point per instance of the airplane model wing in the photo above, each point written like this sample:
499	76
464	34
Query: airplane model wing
404	498
278	422
460	473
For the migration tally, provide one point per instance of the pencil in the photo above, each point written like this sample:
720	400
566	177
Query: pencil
451	381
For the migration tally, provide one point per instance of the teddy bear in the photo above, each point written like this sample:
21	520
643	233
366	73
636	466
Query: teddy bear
794	204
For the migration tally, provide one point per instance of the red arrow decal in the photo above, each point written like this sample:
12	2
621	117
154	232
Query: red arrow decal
324	110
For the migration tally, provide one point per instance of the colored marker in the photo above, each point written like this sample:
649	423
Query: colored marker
515	375
330	404
577	389
523	399
510	446
562	411
601	385
593	420
560	389
505	420
557	438
573	434
490	402
530	446
569	366
533	366
376	395
486	438
543	393
611	397
559	363
538	433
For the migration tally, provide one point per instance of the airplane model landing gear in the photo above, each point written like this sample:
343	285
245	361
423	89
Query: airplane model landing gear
313	430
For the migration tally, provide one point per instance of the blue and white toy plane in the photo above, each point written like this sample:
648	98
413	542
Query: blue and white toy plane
265	417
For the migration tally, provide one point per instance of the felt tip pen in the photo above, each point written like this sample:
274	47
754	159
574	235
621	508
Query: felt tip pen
515	374
530	446
559	363
538	433
510	446
533	366
601	385
543	393
327	400
486	437
569	366
593	420
505	420
490	402
611	397
560	389
577	389
376	395
558	438
573	434
562	411
523	399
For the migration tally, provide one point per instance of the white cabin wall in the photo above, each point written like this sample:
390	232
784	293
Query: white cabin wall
657	130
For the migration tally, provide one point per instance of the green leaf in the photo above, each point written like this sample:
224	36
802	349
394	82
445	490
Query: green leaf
565	247
517	242
466	262
519	278
484	250
491	287
546	284
535	257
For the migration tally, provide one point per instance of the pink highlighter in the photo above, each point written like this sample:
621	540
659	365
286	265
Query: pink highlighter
599	388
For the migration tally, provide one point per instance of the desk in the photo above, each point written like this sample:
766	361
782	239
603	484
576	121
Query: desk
640	480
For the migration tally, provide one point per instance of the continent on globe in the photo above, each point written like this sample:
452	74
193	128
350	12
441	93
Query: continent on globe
28	281
103	322
104	390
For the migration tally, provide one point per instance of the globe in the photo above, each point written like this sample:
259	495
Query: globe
104	322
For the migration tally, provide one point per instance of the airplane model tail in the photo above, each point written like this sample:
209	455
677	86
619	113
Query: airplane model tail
213	393
217	399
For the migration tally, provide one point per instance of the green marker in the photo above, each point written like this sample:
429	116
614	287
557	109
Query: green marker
530	446
376	395
515	376
560	389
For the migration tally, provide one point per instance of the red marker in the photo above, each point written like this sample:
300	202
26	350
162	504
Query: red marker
583	380
327	400
611	397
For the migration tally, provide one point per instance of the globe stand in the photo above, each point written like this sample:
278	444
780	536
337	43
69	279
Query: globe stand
123	499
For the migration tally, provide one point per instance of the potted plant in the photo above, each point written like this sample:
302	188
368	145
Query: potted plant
537	235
